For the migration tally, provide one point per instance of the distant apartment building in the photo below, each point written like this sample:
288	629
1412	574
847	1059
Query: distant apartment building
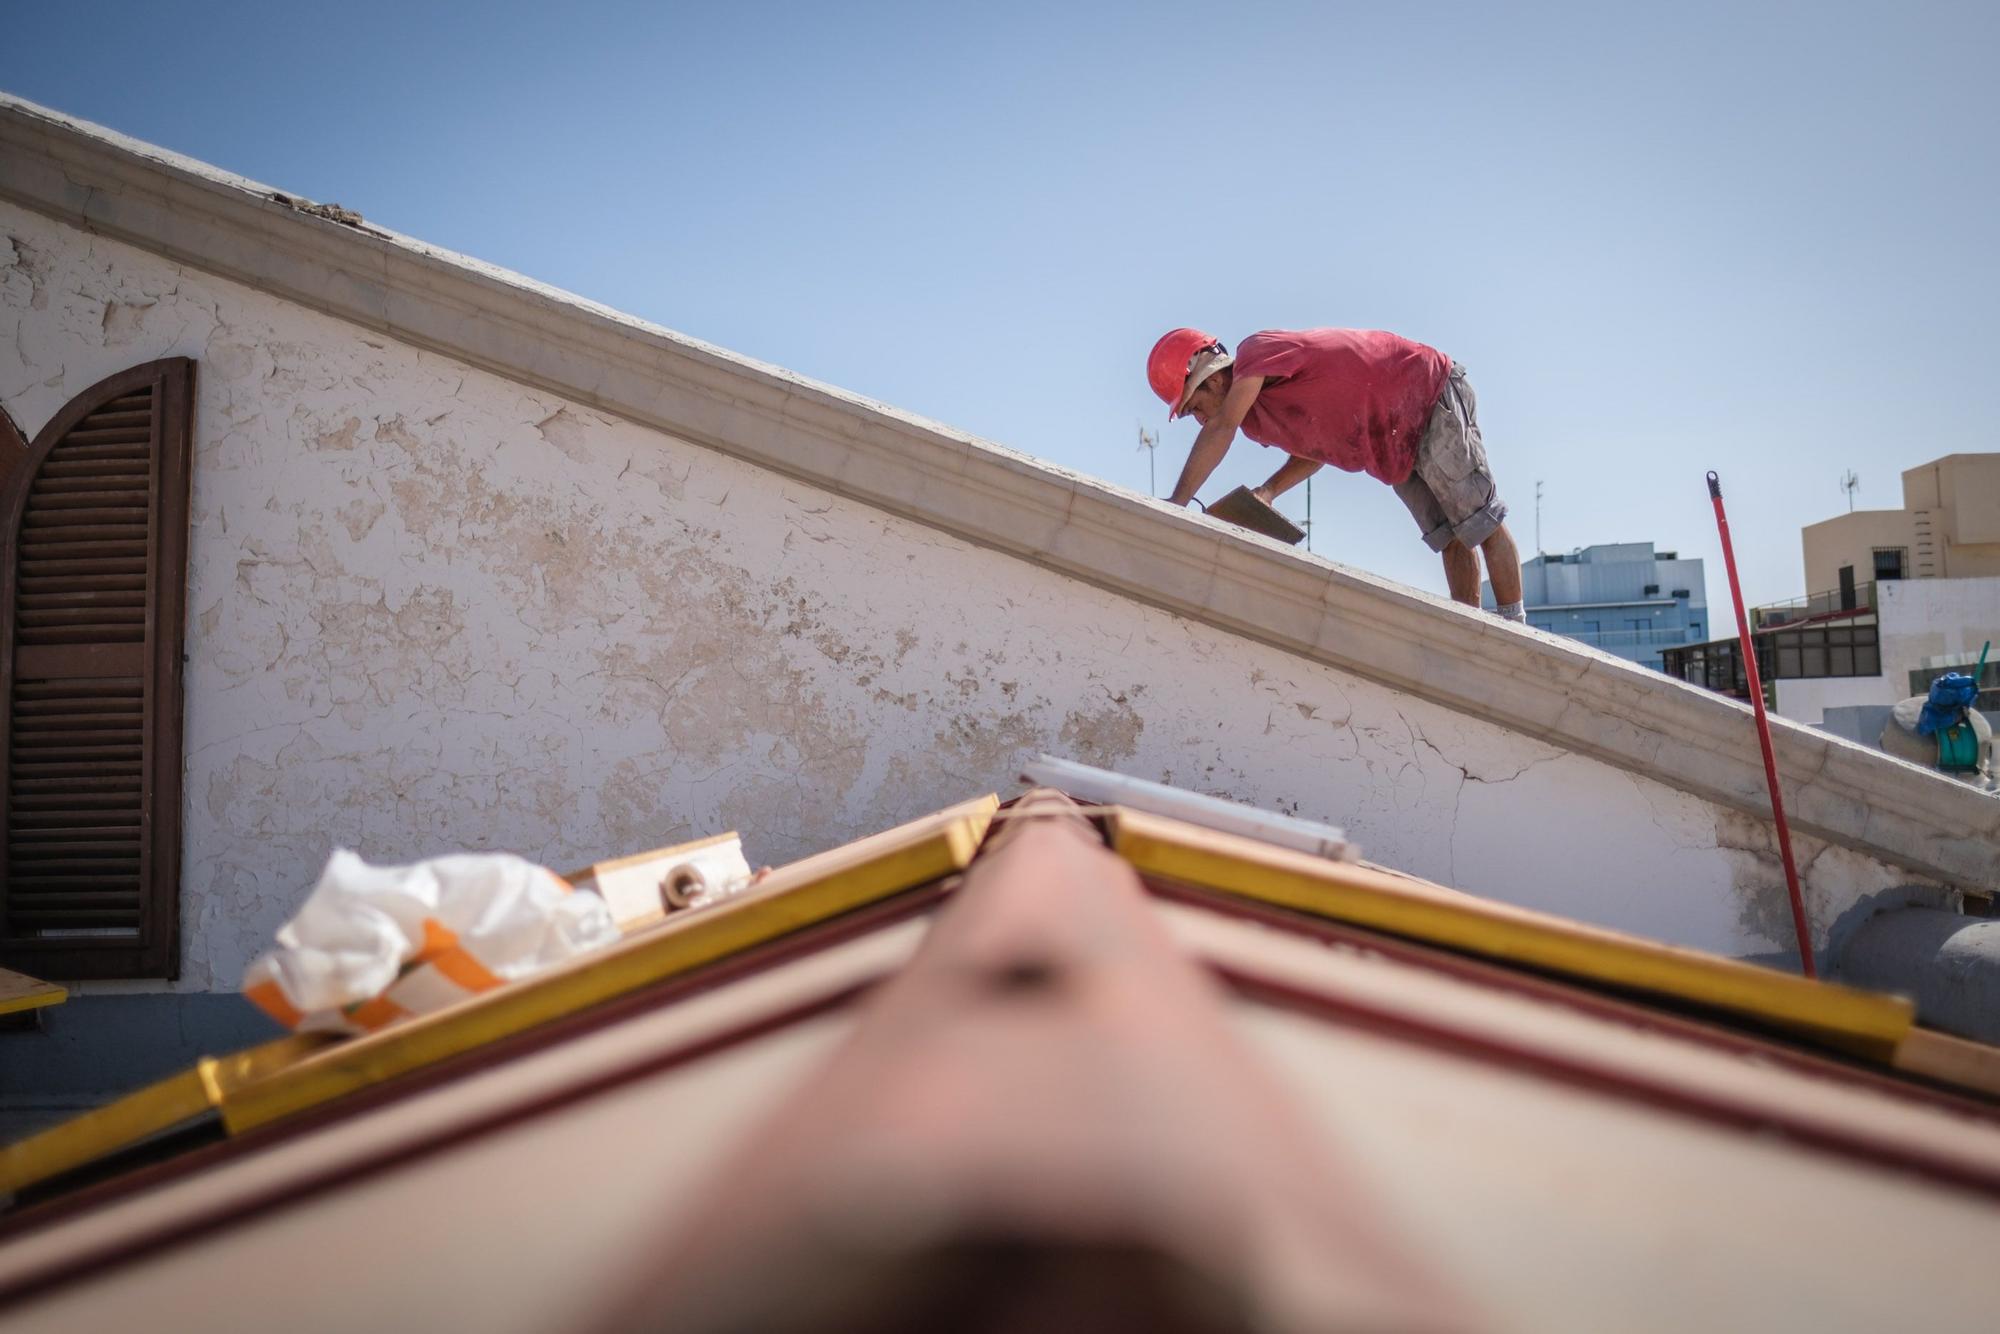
1900	597
1948	528
1622	597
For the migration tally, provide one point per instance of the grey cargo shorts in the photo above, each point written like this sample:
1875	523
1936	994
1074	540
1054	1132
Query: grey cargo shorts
1450	491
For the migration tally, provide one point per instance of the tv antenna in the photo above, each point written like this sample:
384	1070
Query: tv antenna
1149	441
1850	484
1538	516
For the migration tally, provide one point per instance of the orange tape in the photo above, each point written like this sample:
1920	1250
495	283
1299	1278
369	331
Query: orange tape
437	939
270	998
379	1012
458	966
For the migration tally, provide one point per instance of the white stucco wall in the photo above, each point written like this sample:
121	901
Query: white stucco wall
1923	619
432	609
1806	699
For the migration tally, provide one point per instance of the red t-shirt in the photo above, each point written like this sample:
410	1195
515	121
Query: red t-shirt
1356	398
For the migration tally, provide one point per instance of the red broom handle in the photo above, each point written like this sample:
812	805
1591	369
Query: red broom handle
1763	733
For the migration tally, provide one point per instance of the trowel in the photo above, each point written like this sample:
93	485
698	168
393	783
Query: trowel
1246	511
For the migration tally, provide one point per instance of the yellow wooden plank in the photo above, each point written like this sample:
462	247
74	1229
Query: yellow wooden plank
793	897
138	1116
19	992
223	1075
1858	1021
116	1125
1950	1060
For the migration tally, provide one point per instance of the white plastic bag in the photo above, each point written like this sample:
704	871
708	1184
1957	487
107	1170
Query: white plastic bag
375	944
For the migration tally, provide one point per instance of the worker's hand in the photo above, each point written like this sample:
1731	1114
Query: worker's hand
1265	494
1218	429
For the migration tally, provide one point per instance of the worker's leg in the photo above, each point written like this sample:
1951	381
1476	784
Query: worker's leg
1461	562
1436	528
1503	566
1451	465
1461	573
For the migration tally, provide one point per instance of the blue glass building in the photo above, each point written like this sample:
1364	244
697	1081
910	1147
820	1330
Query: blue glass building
1622	597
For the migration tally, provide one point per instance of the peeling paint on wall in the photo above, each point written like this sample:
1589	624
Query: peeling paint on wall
434	609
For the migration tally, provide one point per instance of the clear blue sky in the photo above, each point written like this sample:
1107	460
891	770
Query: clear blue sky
1664	238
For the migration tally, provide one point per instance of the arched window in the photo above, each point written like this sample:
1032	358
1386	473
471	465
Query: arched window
93	589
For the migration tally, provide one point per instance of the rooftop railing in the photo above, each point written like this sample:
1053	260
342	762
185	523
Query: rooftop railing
1815	606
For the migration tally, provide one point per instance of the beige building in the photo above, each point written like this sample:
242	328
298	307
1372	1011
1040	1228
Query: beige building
1948	528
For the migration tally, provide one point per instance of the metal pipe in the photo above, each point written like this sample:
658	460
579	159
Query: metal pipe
1756	683
1115	789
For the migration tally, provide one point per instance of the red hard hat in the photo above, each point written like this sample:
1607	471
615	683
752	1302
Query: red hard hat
1171	359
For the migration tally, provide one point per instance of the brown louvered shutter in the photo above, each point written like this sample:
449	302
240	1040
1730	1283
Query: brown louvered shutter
93	589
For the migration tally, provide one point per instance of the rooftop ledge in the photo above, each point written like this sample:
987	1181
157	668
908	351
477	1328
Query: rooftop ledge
1532	683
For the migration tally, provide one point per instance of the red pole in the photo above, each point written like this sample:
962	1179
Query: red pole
1749	652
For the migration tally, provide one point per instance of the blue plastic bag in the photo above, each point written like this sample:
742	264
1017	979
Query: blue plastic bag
1951	695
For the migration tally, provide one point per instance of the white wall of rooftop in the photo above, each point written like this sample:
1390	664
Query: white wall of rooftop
1925	621
1925	625
1806	699
432	608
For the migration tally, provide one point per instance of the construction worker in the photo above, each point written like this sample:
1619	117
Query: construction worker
1364	401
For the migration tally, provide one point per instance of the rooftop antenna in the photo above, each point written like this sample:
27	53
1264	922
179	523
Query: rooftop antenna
1538	517
1309	514
1850	484
1149	441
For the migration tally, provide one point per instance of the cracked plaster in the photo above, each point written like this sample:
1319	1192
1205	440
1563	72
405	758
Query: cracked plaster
434	609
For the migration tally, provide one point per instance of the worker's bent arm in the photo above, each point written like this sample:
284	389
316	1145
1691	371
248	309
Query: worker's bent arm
1213	443
1296	470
